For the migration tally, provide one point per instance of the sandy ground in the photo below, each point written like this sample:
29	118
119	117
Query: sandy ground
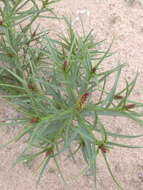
108	18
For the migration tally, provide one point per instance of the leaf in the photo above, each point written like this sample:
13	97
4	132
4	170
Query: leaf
43	169
122	145
59	170
111	95
90	163
109	169
104	56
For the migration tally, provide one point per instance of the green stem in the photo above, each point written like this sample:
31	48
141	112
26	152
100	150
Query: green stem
69	87
86	84
33	19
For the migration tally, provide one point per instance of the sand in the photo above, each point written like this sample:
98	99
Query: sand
109	19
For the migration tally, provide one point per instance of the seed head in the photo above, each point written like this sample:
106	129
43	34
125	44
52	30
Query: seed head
1	22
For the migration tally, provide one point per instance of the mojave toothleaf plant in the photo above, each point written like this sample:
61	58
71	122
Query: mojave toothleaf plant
19	39
54	92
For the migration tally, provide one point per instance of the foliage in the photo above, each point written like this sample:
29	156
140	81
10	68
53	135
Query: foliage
19	43
52	82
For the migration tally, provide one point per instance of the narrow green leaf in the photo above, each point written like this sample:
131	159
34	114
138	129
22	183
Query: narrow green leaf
109	169
122	145
104	56
57	165
42	171
111	94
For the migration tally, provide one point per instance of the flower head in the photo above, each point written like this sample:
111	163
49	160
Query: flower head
82	100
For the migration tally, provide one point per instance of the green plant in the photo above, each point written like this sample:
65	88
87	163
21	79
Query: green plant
55	99
19	41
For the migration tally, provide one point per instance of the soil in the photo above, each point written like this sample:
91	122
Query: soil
109	19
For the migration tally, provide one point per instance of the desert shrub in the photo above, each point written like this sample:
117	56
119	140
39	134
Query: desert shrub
52	82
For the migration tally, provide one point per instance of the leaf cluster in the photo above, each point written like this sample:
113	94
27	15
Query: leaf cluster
51	82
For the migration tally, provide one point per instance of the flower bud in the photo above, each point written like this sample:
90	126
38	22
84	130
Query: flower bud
34	120
33	34
129	106
10	55
83	144
45	3
118	97
38	58
103	148
48	152
93	70
31	87
64	65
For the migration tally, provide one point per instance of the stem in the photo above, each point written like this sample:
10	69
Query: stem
86	84
33	19
69	87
